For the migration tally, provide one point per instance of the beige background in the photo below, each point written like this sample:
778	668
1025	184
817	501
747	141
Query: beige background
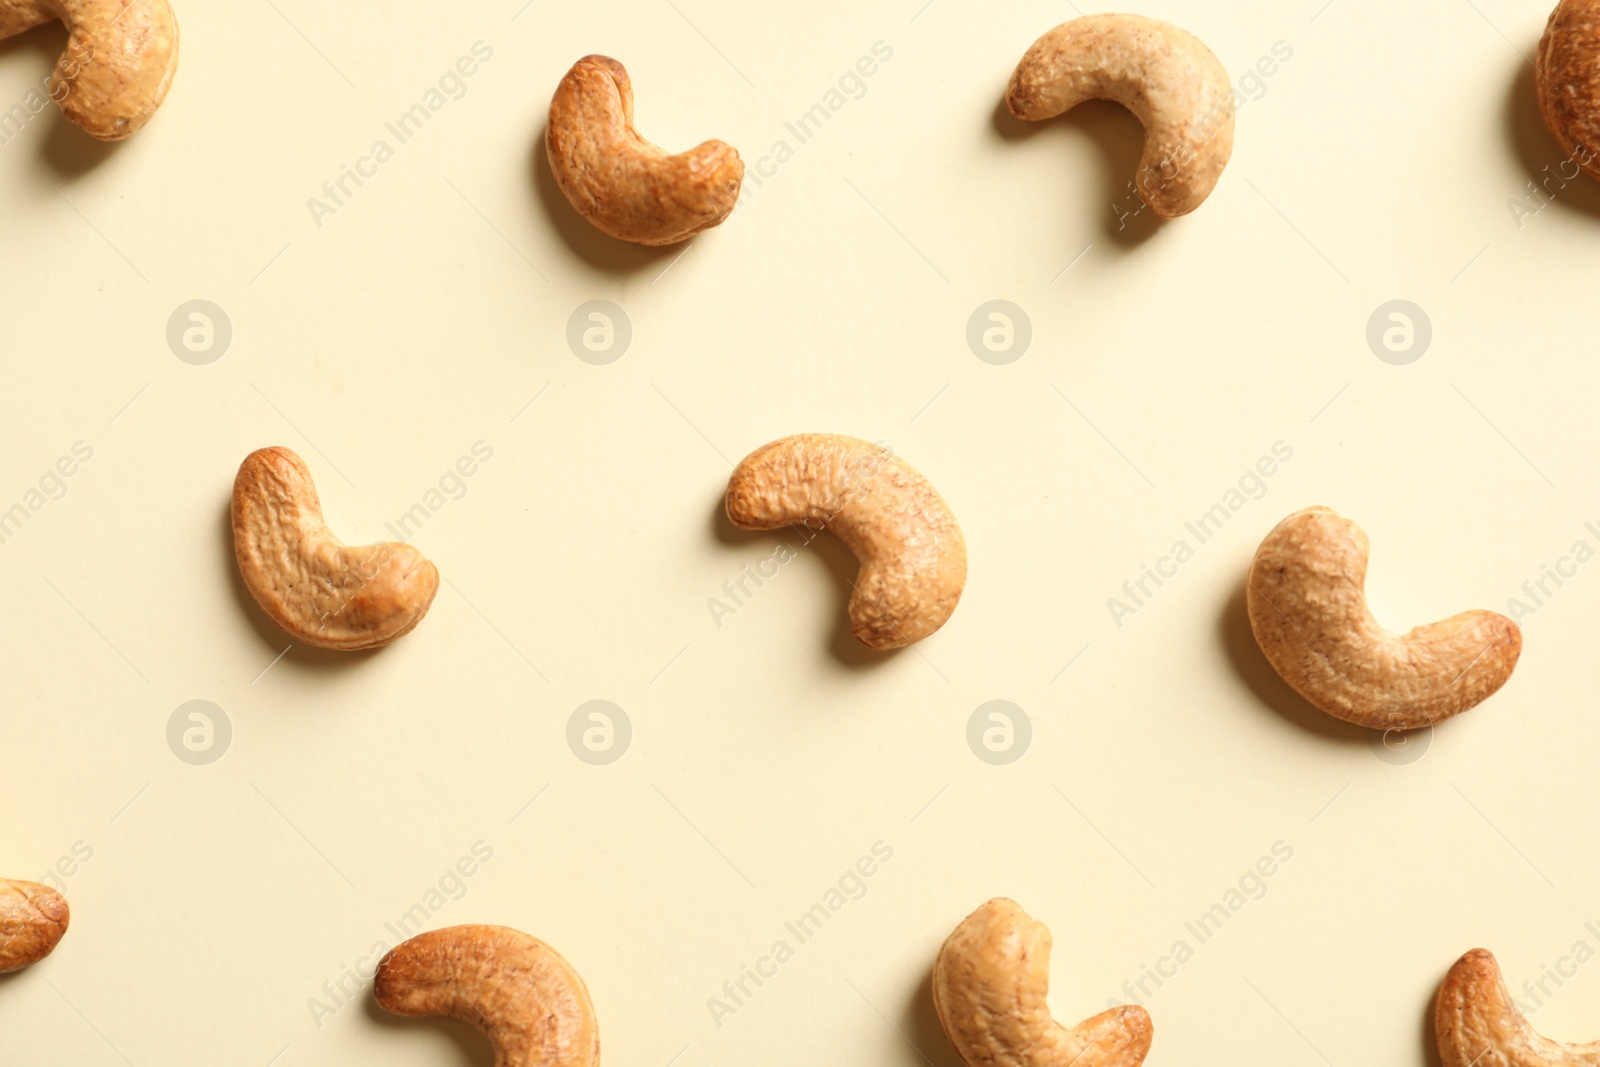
768	754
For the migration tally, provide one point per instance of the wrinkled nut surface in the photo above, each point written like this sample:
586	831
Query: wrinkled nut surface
989	989
322	592
1568	81
1306	595
1477	1022
528	1001
1166	76
33	919
119	61
624	185
913	558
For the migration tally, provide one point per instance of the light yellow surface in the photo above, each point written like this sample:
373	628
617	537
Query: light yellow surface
768	753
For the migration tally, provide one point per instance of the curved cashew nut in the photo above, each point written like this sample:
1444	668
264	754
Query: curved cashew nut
1308	609
913	558
33	919
1166	76
1477	1022
1569	80
320	591
120	58
528	1001
624	185
989	987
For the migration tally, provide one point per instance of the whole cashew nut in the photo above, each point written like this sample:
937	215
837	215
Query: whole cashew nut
1477	1022
528	1001
33	919
989	990
624	185
1568	81
1166	76
913	558
1308	609
320	591
120	58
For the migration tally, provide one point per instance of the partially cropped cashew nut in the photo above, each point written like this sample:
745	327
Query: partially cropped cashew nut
528	1001
33	919
624	185
1306	595
119	61
913	558
989	990
322	592
1166	76
1478	1023
1568	81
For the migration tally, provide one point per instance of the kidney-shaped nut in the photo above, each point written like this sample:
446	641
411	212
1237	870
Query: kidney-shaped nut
528	1001
1306	595
322	592
1478	1023
913	558
1166	76
119	60
624	185
33	919
1568	81
990	984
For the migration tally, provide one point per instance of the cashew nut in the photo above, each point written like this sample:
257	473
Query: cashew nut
624	185
1308	609
33	919
528	1001
913	558
989	990
1166	76
1477	1022
1569	80
320	591
120	58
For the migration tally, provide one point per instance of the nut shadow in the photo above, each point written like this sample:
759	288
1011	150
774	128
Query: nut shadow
921	1022
474	1048
604	253
1430	1035
1239	642
839	561
1120	138
64	149
1536	149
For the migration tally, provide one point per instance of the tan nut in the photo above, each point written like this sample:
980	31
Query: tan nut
989	990
119	61
33	919
624	185
913	558
1478	1023
1166	76
528	1001
322	592
1568	81
1306	595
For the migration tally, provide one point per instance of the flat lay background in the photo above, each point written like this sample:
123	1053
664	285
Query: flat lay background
231	874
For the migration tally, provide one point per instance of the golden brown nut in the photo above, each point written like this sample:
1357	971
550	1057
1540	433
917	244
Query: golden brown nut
528	1001
33	919
1166	76
1478	1023
1568	80
624	185
1306	595
989	989
913	557
322	592
120	58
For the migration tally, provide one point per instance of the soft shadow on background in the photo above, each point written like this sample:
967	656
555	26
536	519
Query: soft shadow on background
1536	149
1120	138
1430	1036
64	148
595	248
839	562
922	1028
475	1050
1239	642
